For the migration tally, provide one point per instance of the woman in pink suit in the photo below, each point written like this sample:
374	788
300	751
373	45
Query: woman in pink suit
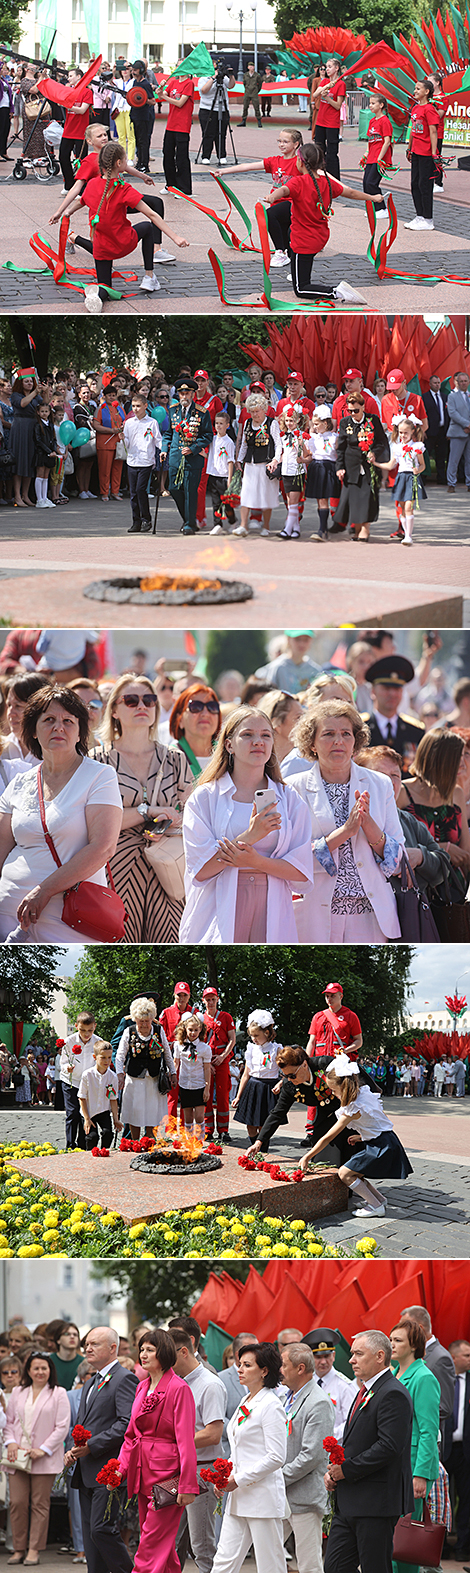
159	1447
38	1418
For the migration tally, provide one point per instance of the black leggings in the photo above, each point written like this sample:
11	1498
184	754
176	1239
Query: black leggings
104	265
68	146
422	172
176	161
439	179
371	185
301	269
327	137
279	225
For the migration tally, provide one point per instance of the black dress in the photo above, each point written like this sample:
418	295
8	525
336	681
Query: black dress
22	433
359	500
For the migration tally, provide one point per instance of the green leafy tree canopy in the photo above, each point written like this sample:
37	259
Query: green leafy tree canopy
10	25
156	1294
379	19
30	971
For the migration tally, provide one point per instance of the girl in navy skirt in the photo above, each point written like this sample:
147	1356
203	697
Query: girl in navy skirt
375	1149
255	1098
407	451
322	480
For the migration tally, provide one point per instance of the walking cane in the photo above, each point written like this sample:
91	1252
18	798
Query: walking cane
157	502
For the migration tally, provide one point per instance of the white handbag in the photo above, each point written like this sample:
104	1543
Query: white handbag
22	1461
121	451
166	854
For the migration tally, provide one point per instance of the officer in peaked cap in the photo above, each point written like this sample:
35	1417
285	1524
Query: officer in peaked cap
387	724
322	1341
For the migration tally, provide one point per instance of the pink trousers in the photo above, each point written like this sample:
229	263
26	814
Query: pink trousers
251	909
156	1553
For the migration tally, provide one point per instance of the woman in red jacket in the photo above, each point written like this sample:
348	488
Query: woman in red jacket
159	1448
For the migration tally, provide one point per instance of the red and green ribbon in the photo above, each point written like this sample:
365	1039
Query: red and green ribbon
378	255
62	271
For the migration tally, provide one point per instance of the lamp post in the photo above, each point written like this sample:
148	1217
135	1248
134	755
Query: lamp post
241	16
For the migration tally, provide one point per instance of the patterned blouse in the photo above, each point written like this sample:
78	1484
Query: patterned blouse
174	786
349	894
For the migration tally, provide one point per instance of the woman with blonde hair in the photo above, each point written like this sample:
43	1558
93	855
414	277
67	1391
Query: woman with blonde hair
356	833
144	1062
375	1149
154	782
235	892
260	444
328	685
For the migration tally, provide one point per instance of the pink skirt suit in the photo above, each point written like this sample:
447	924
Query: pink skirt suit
159	1445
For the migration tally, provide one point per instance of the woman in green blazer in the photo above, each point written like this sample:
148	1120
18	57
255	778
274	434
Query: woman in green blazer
408	1347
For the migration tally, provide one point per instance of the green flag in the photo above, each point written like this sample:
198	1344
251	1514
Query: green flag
136	46
47	18
198	63
92	24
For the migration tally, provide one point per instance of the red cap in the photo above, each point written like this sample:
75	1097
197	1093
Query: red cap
203	374
206	992
395	379
353	371
184	986
334	988
294	374
255	387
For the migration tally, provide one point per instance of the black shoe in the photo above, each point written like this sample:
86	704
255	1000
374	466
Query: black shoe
241	123
147	528
189	529
226	1139
134	529
308	1141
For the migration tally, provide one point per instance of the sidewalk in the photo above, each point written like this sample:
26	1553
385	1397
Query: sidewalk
190	285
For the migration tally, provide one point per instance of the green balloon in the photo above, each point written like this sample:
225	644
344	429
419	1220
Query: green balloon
81	436
66	431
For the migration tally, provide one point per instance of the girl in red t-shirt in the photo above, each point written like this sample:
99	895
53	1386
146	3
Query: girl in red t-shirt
330	95
380	137
280	168
96	137
311	193
423	155
441	103
108	197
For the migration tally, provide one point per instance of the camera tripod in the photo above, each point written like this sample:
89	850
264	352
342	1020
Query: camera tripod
219	108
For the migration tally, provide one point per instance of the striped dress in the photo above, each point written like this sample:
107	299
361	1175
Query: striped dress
151	916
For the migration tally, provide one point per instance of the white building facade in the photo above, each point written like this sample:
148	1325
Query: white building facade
159	30
437	1021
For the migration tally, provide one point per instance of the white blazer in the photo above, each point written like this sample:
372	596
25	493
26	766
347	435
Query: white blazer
209	914
313	913
258	1449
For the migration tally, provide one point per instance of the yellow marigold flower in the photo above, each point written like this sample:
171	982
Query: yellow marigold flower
199	1230
280	1250
137	1229
220	1219
295	1251
169	1235
7	1207
208	1210
287	1234
126	1251
77	1228
37	1207
35	1228
3	1241
89	1228
261	1240
249	1217
315	1250
51	1219
366	1244
276	1223
237	1228
5	1252
149	1254
110	1218
96	1207
51	1234
298	1223
31	1250
26	1184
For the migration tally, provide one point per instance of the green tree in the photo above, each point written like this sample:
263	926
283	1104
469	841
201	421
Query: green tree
288	979
377	20
171	342
157	1294
243	649
10	25
28	978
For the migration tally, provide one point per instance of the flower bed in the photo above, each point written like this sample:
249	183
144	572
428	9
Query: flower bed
35	1221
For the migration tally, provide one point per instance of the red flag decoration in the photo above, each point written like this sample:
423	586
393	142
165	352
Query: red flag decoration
57	93
291	1308
253	1304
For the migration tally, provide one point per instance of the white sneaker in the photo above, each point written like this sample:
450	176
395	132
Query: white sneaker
382	216
164	191
280	259
40	503
427	223
217	530
83	496
416	223
345	291
205	160
265	532
438	190
223	161
369	1212
150	285
163	256
93	301
48	503
92	496
407	541
240	530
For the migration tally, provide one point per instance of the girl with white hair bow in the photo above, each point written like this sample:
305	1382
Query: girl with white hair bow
255	1097
375	1149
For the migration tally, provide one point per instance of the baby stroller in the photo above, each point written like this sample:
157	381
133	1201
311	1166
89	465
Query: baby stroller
47	166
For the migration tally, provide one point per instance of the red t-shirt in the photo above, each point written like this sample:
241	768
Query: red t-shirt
346	1024
219	1027
180	119
281	169
113	235
75	125
89	167
212	406
170	1019
308	405
340	406
270	413
422	117
309	230
379	128
326	115
393	408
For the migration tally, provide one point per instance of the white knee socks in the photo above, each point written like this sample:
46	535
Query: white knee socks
40	487
408	520
291	526
364	1190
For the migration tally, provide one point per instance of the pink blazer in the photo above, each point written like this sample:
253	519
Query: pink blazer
51	1421
160	1443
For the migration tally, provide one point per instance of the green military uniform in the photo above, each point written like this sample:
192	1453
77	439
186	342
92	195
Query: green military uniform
252	86
184	477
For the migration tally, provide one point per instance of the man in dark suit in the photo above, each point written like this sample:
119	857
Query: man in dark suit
456	1445
374	1484
438	1359
386	725
105	1409
438	421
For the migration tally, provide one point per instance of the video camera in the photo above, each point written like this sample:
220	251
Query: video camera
222	69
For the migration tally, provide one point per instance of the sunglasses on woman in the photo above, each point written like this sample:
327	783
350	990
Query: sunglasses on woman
196	706
133	700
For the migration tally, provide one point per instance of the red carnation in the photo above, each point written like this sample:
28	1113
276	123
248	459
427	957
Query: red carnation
80	1435
297	1176
217	1474
104	1152
76	1048
110	1474
60	1043
334	1449
95	1152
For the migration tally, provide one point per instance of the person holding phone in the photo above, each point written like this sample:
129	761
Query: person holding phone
246	840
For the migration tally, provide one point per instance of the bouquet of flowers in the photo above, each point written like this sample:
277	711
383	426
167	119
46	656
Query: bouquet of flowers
335	1456
217	1475
100	1152
80	1437
187	430
111	1477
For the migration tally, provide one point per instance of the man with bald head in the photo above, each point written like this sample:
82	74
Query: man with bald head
105	1409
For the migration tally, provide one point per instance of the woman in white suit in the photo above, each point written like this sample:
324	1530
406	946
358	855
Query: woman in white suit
243	854
357	835
257	1435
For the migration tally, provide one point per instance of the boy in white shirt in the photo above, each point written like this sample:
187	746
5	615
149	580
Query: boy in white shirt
143	439
76	1057
220	464
98	1092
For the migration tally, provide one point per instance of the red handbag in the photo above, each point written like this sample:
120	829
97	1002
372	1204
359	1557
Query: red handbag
418	1543
96	912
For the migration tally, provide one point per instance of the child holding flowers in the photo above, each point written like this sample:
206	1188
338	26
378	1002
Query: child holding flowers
406	451
195	1059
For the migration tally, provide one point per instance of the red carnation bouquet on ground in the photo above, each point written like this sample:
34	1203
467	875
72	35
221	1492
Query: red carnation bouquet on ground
273	1169
110	1476
100	1152
217	1475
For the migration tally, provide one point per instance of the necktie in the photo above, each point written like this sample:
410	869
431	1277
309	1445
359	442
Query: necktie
320	1381
92	1388
389	732
455	1411
361	1394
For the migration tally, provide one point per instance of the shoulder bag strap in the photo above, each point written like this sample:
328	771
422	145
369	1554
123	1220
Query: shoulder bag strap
48	837
157	783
